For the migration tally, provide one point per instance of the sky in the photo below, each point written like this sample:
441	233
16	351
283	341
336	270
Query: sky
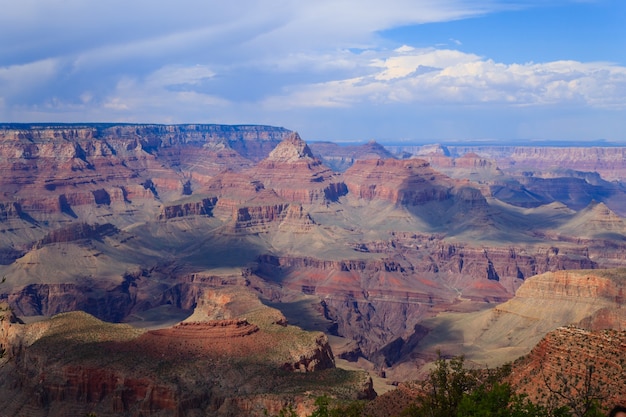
396	71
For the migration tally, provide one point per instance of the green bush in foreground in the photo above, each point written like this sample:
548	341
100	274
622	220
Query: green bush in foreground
452	390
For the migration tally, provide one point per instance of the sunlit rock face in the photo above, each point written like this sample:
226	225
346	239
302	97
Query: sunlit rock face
126	221
52	169
296	175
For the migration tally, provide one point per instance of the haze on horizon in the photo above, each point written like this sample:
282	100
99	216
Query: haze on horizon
416	71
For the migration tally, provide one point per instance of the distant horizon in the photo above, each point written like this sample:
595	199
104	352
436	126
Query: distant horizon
399	142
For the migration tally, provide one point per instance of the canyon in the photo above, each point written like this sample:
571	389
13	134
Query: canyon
214	237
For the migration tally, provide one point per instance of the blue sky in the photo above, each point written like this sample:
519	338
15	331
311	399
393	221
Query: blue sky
345	70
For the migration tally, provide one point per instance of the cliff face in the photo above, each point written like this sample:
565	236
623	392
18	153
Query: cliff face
374	301
568	358
203	207
124	136
53	169
400	182
607	161
121	221
74	364
296	175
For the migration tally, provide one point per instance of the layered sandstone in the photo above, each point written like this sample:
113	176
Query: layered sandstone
76	364
53	169
607	161
296	175
77	231
191	207
571	364
400	182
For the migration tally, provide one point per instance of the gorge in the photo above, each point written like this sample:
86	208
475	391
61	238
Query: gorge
234	237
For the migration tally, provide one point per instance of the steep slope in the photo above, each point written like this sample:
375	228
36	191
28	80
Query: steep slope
570	365
233	356
596	221
296	175
51	170
381	247
589	299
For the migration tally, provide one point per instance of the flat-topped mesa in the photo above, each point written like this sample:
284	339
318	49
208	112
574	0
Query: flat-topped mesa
208	330
258	218
296	175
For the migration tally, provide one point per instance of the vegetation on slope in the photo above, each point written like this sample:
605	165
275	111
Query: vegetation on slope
451	389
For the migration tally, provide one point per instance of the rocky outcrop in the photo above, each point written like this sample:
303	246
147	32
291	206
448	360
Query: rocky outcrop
311	360
567	358
204	207
77	231
410	182
207	330
73	364
10	211
9	335
50	169
296	175
254	217
491	263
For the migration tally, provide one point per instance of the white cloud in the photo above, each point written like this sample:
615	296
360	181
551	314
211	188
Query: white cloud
17	78
448	76
176	75
153	99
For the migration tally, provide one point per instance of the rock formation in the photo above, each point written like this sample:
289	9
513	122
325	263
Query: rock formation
606	161
590	300
125	221
569	358
73	363
532	176
296	175
342	157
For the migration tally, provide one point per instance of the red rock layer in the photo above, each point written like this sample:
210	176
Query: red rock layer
410	182
50	169
203	207
565	358
296	175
